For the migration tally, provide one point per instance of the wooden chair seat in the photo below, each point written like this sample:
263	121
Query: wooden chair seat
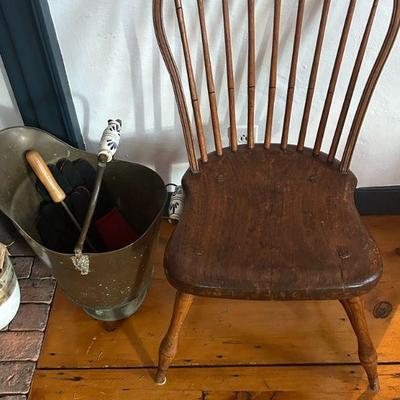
276	224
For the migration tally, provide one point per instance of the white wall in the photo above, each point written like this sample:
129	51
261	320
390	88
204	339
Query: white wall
9	113
115	70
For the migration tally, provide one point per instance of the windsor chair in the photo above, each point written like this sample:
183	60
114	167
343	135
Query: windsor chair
301	237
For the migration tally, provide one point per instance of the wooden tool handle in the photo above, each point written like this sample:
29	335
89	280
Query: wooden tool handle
45	176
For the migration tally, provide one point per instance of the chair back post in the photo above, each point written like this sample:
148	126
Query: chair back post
370	87
176	83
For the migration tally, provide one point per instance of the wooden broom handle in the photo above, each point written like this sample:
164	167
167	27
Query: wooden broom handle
45	176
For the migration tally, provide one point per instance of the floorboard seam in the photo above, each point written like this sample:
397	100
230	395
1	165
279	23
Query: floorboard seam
394	363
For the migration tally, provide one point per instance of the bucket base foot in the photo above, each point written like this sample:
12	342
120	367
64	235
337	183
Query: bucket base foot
111	326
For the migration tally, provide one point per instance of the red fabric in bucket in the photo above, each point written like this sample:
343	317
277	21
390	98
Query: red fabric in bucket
115	230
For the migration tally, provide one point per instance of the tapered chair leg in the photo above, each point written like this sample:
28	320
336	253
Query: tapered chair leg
169	344
366	351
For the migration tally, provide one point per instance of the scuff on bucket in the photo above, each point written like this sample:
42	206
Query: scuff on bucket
81	262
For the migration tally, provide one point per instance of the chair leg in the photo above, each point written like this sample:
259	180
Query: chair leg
169	344
366	351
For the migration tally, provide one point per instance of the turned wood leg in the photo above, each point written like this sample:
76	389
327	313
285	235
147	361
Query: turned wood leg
366	351
169	344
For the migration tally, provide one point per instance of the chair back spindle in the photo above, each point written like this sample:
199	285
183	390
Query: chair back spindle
352	83
210	79
273	74
338	131
334	77
313	75
192	81
230	76
292	75
251	75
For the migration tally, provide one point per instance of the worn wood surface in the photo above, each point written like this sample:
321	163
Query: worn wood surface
226	335
226	332
230	383
284	228
217	332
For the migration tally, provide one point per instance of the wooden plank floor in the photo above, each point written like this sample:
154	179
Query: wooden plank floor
228	349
